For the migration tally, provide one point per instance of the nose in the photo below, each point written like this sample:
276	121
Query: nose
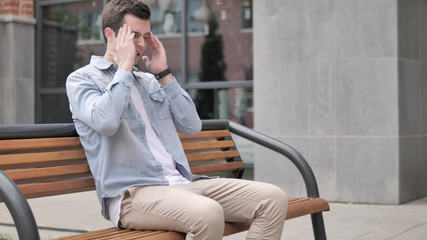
140	42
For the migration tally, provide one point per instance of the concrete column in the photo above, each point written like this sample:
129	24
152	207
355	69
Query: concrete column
17	48
344	83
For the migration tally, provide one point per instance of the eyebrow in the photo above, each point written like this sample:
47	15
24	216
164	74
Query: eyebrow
145	34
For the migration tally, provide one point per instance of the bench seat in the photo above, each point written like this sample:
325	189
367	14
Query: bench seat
48	162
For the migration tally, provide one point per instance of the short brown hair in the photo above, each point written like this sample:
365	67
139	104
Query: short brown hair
115	10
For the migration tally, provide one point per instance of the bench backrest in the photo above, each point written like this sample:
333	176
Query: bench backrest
57	165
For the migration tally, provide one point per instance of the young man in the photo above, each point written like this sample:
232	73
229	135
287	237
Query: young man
128	121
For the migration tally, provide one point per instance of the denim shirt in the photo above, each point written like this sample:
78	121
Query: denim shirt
113	133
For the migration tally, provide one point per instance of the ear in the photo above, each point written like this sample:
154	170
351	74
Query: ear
109	34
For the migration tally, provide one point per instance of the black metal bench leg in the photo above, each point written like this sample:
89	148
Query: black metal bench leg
19	208
318	226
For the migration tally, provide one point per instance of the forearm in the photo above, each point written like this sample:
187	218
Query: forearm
184	112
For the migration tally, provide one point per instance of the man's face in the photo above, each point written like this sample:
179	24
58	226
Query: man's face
141	28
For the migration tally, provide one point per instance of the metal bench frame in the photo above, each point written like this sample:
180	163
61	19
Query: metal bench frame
23	216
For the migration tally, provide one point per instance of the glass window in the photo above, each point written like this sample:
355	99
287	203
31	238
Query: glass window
222	54
55	108
90	26
219	52
166	16
69	34
246	14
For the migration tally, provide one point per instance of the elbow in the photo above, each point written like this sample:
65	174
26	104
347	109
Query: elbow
193	128
107	130
198	127
105	126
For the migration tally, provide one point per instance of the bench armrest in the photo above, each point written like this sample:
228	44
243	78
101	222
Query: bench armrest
296	158
19	208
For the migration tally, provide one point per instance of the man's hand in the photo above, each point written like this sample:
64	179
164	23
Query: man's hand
158	60
124	54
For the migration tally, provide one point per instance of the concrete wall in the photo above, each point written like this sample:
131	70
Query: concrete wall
17	69
344	83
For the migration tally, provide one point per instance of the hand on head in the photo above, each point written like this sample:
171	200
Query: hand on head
124	51
127	46
158	60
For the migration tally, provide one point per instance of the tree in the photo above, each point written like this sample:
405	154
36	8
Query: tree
212	68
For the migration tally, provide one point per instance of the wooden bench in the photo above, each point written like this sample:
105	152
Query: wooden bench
47	159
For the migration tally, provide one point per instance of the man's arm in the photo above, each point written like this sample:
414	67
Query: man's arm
158	61
184	112
102	109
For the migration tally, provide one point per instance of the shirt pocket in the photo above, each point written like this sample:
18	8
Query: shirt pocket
161	104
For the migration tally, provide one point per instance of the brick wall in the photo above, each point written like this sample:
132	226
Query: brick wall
24	8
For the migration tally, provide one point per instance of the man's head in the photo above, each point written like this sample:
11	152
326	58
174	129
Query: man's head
115	10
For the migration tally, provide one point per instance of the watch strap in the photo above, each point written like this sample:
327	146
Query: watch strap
163	73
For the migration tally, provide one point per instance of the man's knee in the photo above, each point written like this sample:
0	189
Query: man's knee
210	212
208	221
277	198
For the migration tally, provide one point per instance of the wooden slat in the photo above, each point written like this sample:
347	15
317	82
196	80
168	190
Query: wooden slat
56	188
206	134
163	236
125	234
38	143
93	234
197	157
301	207
49	173
232	228
23	160
191	146
219	168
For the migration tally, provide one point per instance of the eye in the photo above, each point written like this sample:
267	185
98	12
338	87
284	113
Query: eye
147	36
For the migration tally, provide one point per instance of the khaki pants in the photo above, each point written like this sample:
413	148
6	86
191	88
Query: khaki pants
199	209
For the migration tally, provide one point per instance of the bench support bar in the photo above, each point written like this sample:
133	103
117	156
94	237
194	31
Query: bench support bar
19	208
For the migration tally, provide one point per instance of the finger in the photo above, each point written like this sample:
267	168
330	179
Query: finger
156	46
146	60
128	30
131	34
153	42
119	36
126	33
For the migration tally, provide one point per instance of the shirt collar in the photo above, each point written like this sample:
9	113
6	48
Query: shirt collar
100	63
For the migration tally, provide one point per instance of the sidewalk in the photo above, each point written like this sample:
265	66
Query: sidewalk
69	214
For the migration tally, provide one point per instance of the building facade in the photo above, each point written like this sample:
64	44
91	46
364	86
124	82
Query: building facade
344	82
17	76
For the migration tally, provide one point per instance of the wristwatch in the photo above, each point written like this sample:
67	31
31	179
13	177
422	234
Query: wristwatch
163	73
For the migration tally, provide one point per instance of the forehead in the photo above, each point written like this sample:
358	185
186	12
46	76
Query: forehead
137	24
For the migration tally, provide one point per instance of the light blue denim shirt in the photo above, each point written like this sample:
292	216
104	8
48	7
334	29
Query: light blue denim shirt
113	133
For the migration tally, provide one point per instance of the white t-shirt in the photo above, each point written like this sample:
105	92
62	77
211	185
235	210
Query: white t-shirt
159	151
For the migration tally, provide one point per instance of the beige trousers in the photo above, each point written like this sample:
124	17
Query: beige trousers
200	208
